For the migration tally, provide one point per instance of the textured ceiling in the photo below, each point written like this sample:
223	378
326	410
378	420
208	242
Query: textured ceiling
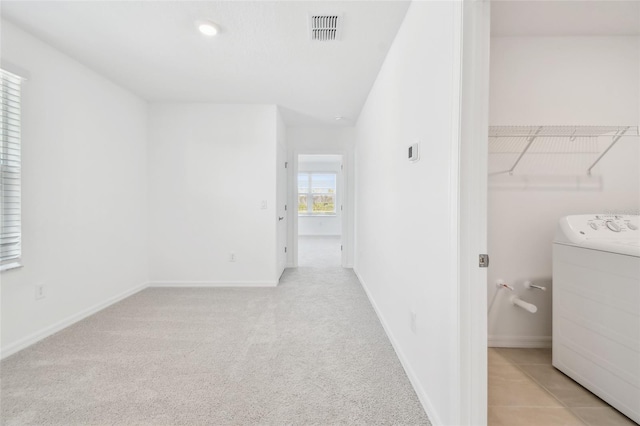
262	56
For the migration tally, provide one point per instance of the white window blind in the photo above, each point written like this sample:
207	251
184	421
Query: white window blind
10	226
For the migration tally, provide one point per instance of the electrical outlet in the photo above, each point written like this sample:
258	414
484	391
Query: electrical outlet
39	291
232	257
412	322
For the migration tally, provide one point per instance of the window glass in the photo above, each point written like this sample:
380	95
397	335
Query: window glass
324	203
323	183
303	182
317	193
302	203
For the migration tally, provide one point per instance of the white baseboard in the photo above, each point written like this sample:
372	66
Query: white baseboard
519	341
216	284
54	328
422	395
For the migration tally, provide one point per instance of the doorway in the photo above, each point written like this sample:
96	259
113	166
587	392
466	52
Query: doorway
319	198
548	136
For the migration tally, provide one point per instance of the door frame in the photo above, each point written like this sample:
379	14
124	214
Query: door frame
344	179
281	161
472	187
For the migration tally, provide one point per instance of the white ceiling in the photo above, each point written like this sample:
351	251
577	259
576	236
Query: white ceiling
262	56
565	18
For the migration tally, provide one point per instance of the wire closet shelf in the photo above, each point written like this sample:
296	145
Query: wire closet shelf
553	149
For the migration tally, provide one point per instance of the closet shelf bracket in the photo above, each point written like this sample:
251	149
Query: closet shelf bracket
616	138
524	151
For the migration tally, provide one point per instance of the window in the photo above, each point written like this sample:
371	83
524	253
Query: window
10	227
316	193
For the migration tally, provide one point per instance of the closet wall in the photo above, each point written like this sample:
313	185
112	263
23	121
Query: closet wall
555	81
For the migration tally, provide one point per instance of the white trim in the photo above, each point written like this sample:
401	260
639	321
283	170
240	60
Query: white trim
14	264
422	395
60	325
472	60
15	70
458	317
519	341
216	284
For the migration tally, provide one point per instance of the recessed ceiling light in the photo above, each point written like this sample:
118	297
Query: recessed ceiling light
207	28
339	118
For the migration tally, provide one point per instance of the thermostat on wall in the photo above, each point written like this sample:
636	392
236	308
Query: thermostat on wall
414	154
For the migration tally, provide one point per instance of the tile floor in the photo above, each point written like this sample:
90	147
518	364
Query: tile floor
525	389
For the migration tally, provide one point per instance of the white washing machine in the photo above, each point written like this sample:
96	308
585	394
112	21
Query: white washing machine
596	306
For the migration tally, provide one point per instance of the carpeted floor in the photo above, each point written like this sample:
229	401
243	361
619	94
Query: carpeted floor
310	351
319	251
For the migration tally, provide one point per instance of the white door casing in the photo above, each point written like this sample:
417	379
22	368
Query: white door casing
344	187
282	209
472	213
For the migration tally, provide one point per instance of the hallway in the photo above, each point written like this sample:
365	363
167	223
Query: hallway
319	251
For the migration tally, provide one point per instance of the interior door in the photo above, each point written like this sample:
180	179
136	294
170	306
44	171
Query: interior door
282	208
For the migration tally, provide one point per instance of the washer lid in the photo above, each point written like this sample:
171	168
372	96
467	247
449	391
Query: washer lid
612	233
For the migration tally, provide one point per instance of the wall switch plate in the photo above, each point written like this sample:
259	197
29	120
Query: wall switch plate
263	205
232	257
39	292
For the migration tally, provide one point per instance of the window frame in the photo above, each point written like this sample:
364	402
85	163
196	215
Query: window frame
310	194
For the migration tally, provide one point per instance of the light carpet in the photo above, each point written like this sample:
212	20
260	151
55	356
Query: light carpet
319	251
309	352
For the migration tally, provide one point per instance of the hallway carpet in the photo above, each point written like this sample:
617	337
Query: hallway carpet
310	351
319	251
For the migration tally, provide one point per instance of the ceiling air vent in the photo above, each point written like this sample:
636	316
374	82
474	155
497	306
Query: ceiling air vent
325	27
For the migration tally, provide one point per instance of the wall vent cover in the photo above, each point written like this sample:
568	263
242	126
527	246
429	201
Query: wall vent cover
325	27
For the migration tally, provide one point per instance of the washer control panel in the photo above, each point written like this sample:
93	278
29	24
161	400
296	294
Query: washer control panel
598	226
613	223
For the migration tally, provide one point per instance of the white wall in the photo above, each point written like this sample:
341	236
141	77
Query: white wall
322	224
561	81
405	212
325	140
211	168
84	178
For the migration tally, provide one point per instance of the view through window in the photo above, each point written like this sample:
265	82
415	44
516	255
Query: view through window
316	193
